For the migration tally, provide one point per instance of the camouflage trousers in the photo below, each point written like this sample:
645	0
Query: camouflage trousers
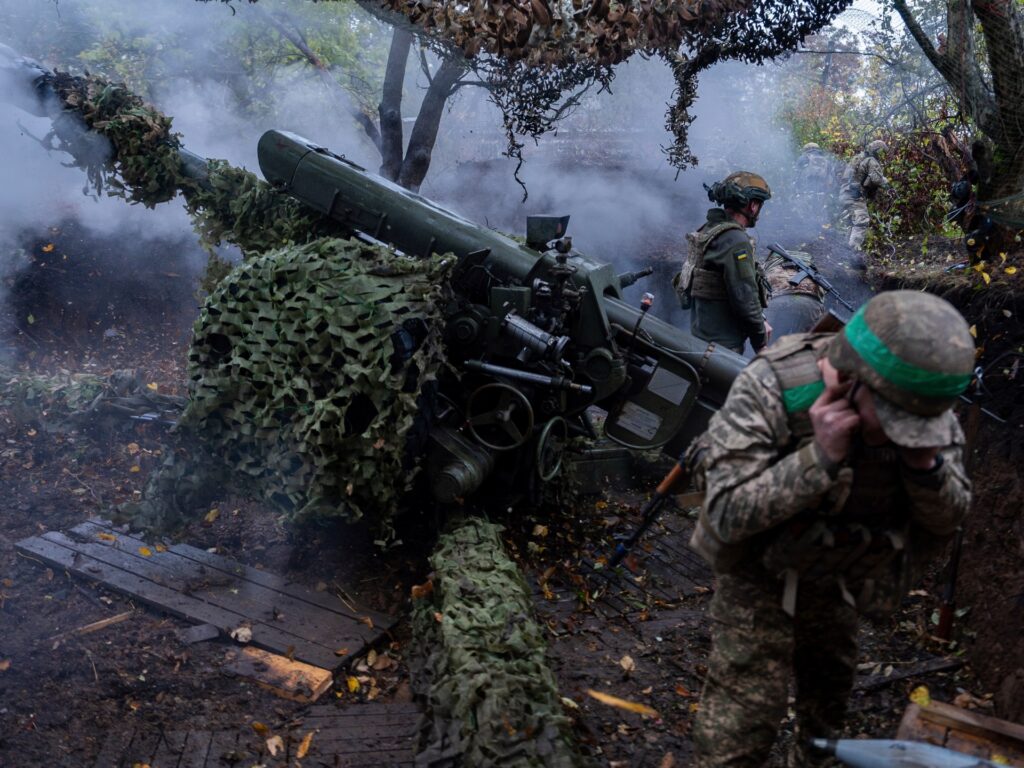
756	649
860	220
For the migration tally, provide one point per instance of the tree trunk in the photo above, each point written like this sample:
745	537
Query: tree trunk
390	108
424	131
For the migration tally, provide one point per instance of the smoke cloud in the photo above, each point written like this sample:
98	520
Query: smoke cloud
604	165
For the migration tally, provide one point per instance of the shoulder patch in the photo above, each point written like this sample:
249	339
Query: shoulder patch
740	254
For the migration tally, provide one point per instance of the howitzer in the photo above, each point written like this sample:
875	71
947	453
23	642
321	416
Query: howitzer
540	334
533	336
891	753
807	270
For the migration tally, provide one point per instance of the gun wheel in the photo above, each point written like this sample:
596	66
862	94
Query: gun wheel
499	417
551	447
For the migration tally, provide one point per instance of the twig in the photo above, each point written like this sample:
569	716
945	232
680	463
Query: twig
95	674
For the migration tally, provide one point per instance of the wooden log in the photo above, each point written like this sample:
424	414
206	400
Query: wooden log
284	677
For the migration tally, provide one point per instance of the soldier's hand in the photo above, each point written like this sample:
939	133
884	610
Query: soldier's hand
835	420
767	333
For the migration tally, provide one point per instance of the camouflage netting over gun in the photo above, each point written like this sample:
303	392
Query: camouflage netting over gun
492	699
143	163
306	373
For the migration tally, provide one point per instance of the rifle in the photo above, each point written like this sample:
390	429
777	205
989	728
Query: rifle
947	609
805	270
677	477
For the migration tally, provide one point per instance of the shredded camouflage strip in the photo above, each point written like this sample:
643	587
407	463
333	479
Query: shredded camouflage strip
492	700
143	164
296	383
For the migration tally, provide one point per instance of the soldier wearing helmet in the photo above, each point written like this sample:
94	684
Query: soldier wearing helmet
812	168
720	281
862	181
833	471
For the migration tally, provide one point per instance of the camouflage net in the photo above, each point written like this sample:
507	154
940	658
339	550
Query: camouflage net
143	164
493	700
68	400
297	383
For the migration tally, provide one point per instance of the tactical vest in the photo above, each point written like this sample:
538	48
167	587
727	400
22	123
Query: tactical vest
857	535
693	281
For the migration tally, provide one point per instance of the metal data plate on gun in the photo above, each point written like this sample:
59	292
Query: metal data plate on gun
651	417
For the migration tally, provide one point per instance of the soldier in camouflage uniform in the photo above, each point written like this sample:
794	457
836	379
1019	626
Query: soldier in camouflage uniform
813	169
862	181
833	471
720	281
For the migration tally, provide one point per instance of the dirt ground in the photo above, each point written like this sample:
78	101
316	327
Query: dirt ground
62	695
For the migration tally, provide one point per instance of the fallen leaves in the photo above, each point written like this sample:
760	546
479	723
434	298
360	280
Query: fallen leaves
211	516
145	551
352	684
921	696
615	701
5	664
275	744
106	537
627	664
304	745
242	634
261	730
421	591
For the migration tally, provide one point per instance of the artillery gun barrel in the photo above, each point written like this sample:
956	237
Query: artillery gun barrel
342	190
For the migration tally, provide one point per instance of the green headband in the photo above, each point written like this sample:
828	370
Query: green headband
896	371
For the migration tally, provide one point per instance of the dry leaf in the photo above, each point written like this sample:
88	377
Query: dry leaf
160	548
242	634
353	684
682	690
5	664
304	745
973	330
48	248
133	448
420	591
341	652
274	745
106	536
367	621
145	551
261	730
540	531
1010	270
920	696
569	703
211	515
627	664
348	489
615	701
371	657
153	386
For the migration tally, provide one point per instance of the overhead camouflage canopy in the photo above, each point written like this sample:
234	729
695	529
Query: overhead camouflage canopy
550	34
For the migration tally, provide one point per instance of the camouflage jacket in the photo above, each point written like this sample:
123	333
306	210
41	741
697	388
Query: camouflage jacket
765	475
867	177
738	314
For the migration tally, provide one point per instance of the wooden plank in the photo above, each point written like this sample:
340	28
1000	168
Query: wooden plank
290	679
197	634
913	728
224	749
921	724
235	592
114	747
169	600
168	752
197	747
971	722
271	581
142	748
286	641
393	712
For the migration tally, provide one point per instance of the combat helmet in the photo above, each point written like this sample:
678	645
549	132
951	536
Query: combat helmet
738	189
811	146
914	350
877	147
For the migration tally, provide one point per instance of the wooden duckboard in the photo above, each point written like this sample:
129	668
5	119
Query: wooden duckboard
288	619
364	735
963	730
